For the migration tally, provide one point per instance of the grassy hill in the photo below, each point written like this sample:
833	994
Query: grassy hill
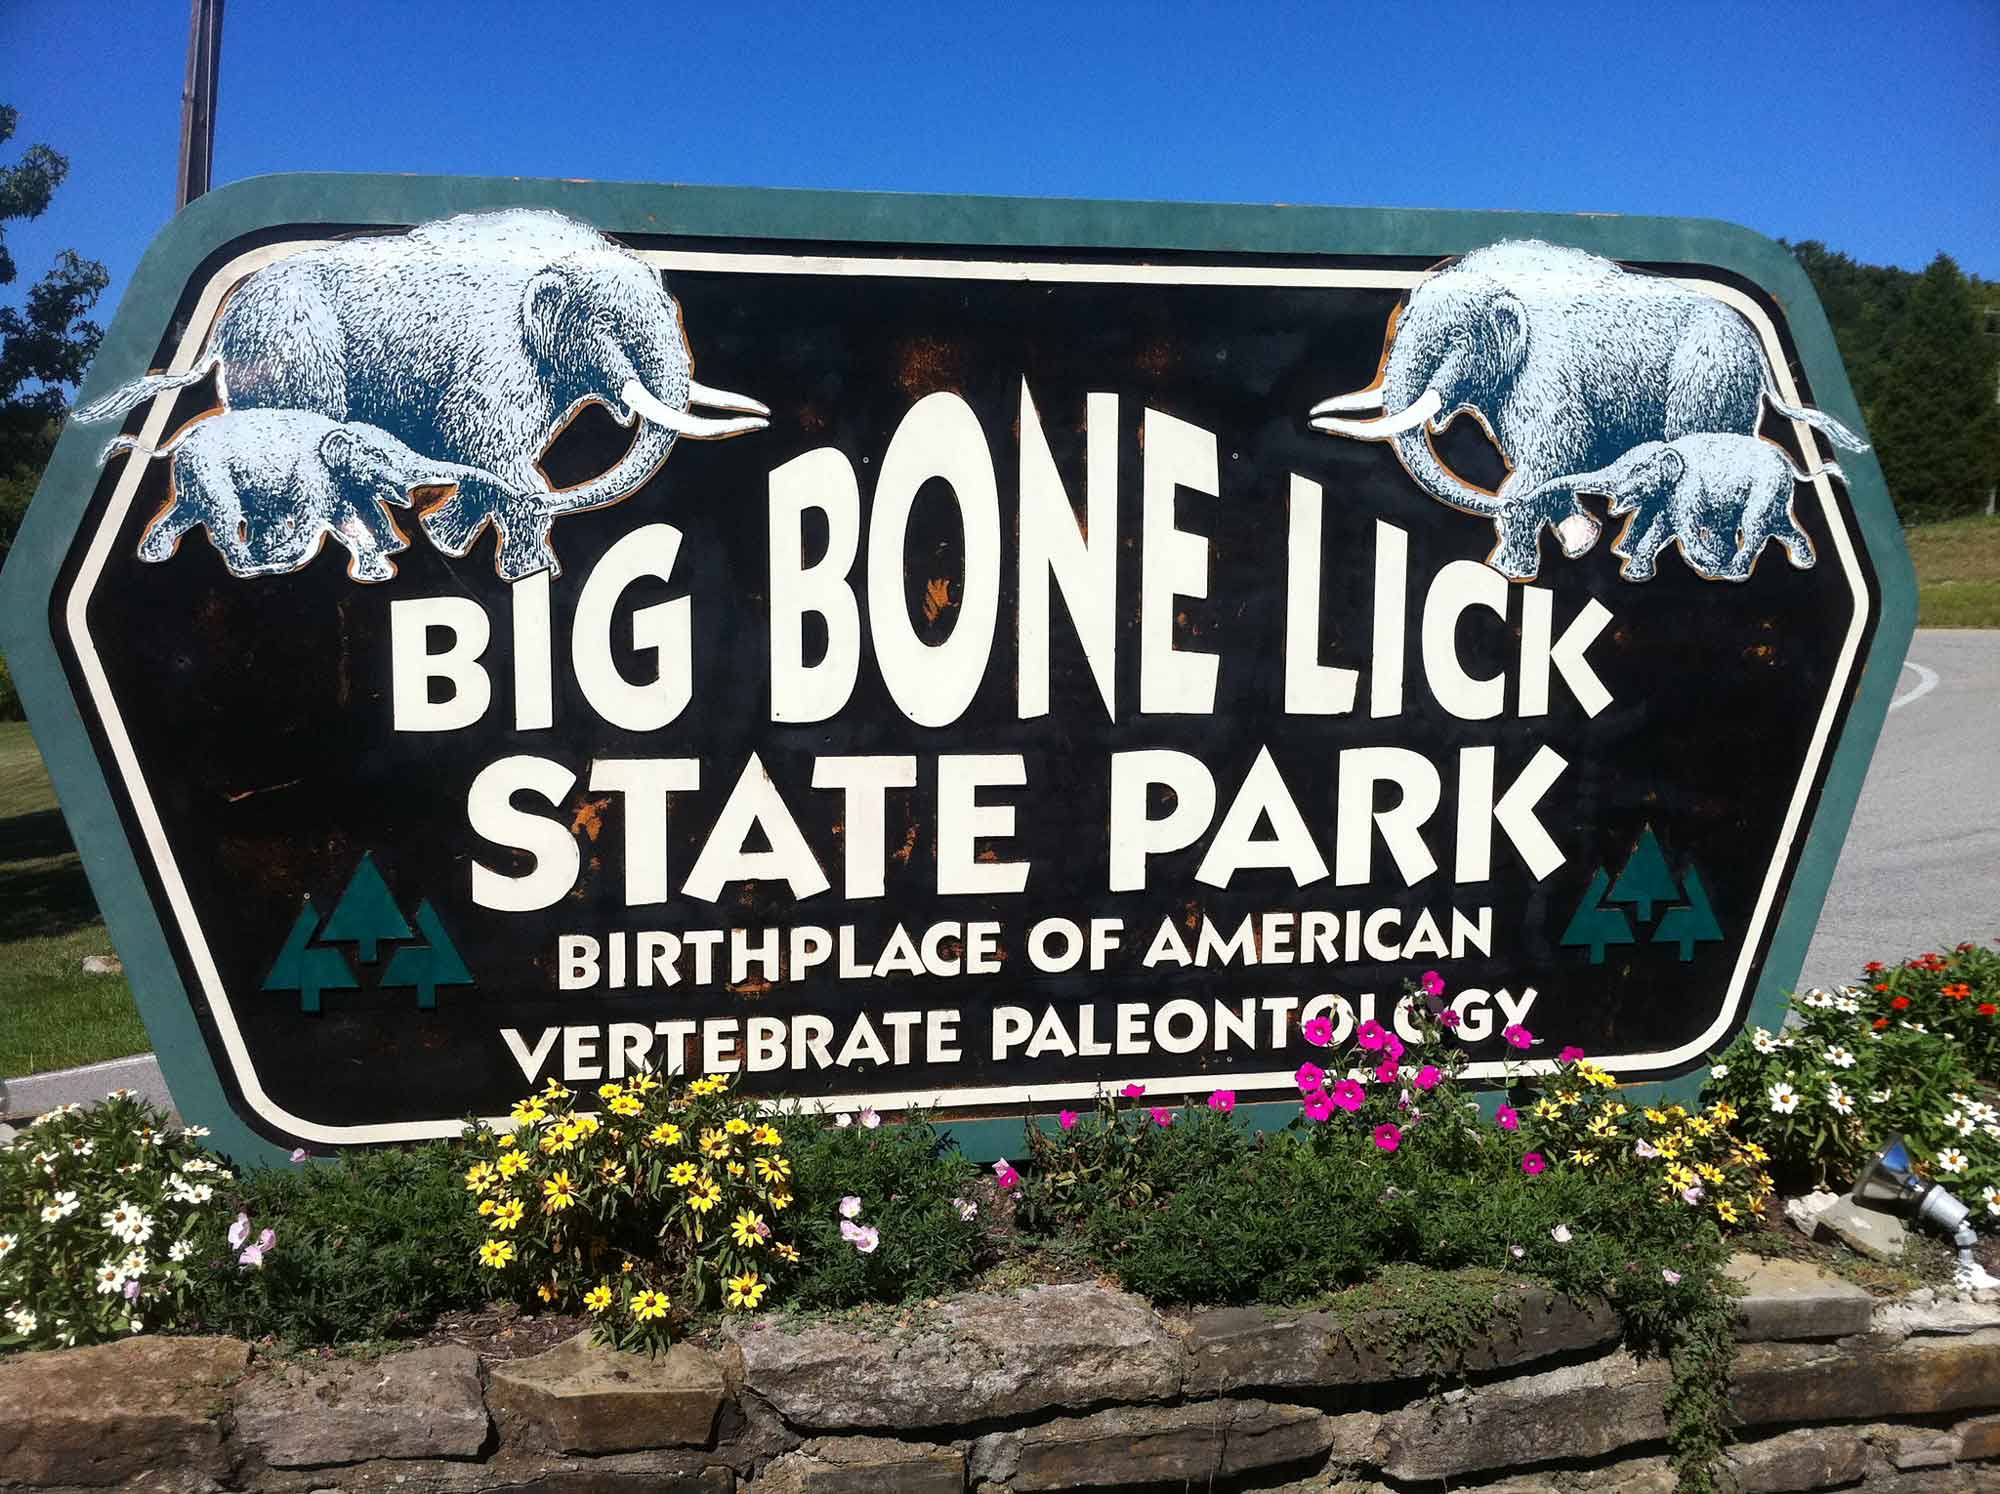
1958	572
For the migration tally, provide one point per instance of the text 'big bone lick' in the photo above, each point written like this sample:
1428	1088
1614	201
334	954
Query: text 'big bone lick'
1569	361
473	340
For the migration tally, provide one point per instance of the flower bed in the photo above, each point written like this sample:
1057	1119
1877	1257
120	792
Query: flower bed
652	1210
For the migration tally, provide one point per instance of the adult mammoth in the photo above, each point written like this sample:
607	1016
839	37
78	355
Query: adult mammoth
1569	361
473	339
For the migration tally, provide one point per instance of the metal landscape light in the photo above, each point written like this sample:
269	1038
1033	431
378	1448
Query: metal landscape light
1892	1183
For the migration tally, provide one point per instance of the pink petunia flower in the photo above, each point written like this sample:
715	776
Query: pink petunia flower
1645	1148
1532	1164
1388	1072
1433	983
1162	1117
1570	1054
1427	1077
1670	1276
1450	1020
1370	1035
266	1240
1067	1120
1133	1091
239	1231
1310	1076
253	1255
850	1207
1392	1045
1507	1118
1318	1105
1007	1178
869	1119
1388	1136
1349	1096
1223	1100
299	1154
1518	1036
1693	1196
1318	1031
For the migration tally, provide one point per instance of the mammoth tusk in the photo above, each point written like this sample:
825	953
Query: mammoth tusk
641	400
722	399
1360	399
1389	425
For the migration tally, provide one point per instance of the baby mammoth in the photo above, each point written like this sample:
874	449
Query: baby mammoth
270	486
1719	497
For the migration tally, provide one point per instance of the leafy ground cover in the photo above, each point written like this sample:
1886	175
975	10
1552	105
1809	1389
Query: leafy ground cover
52	1015
1958	572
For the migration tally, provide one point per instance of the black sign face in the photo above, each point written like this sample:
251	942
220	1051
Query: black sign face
911	675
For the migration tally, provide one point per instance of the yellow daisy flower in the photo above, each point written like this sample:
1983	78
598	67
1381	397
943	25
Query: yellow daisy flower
681	1174
512	1163
746	1291
611	1172
773	1169
506	1139
714	1143
508	1214
529	1112
736	1125
666	1133
1726	1211
710	1084
486	1206
586	1126
767	1136
597	1298
704	1195
554	1090
558	1193
1723	1111
784	1252
626	1105
610	1091
780	1202
648	1305
546	1292
736	1169
479	1177
645	1084
496	1253
1657	1117
747	1228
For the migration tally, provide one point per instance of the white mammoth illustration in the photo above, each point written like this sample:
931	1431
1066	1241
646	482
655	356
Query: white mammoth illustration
1569	361
474	340
1720	498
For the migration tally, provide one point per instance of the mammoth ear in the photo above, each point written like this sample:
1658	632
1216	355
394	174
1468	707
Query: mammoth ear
1507	322
339	449
542	311
1673	466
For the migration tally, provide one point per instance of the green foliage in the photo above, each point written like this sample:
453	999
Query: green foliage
915	1191
108	1217
47	341
1924	370
1914	1050
372	1246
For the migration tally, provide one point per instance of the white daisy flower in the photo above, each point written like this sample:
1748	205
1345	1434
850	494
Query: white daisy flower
1951	1159
136	1325
24	1321
130	1168
134	1263
1915	1027
1962	1123
193	1133
80	1146
1840	1100
1817	999
1762	1041
1718	1071
1982	1112
1784	1099
1878	1097
7	1244
1959	1099
180	1250
1992	1196
110	1278
62	1208
1561	1235
1840	1058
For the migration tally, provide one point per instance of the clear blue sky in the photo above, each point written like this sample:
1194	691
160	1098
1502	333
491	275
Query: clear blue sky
1870	126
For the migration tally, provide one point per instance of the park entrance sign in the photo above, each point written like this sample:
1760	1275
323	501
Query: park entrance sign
941	651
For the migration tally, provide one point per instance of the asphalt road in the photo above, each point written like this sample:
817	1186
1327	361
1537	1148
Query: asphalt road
1921	868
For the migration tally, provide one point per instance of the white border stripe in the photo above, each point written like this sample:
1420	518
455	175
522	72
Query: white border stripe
76	614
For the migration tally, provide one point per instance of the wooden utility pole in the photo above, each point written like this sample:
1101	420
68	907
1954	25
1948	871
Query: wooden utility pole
198	101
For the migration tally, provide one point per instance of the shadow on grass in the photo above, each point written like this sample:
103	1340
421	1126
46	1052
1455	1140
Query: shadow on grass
42	886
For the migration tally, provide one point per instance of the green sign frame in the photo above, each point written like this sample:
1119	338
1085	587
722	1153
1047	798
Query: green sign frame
28	585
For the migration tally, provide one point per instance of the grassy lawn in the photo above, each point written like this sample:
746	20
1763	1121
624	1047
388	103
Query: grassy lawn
1958	572
52	1015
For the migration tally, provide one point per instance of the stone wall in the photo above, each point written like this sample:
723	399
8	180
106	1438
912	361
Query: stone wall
1060	1387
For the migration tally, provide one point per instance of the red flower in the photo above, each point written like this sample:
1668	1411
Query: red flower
1873	967
1958	990
1901	1003
1880	986
1881	1022
1987	1009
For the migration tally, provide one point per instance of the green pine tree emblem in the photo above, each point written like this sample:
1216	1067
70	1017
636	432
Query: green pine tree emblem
1691	924
366	913
1595	925
1646	878
428	965
306	968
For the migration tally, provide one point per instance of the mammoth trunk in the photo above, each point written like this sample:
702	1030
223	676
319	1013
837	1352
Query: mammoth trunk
642	459
1413	449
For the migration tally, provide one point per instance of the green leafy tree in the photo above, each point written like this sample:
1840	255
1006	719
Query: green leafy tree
366	913
429	965
47	341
